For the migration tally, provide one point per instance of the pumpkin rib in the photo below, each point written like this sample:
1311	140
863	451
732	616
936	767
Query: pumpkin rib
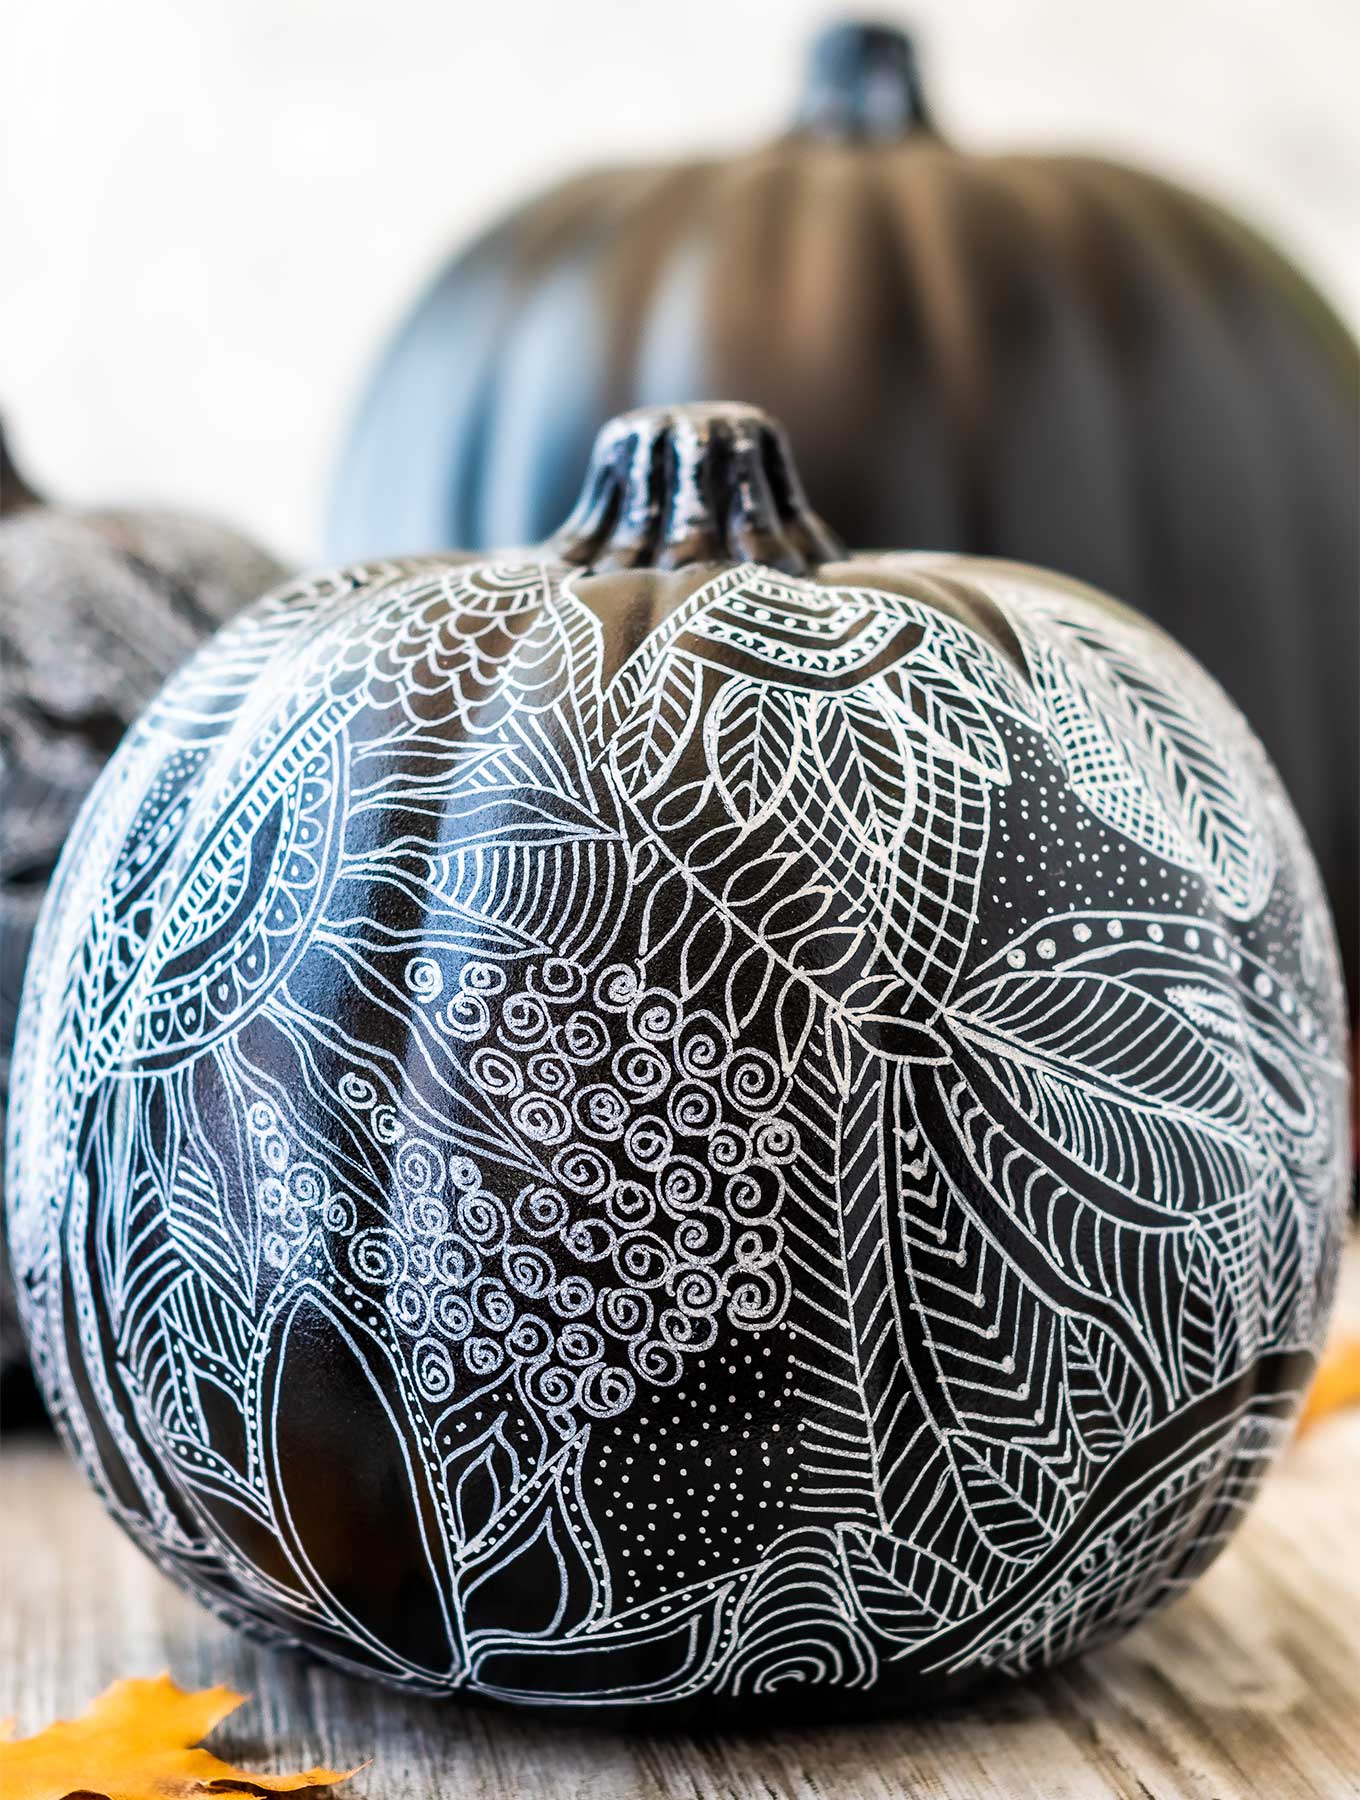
97	607
441	443
842	1050
562	231
814	307
657	226
1323	770
1042	357
743	224
1270	585
839	311
1079	399
1150	289
946	392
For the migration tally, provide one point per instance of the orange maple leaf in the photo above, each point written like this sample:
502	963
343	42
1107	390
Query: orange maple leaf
136	1742
1337	1382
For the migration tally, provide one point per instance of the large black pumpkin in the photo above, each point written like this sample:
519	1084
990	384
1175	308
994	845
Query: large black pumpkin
682	1119
97	607
1043	357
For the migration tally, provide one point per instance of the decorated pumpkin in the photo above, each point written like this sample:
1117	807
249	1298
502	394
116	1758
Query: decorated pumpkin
684	1118
1051	358
96	609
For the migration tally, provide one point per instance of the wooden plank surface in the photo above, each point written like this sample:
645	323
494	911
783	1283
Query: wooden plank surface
1247	1687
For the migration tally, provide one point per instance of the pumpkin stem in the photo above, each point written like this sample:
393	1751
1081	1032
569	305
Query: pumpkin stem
864	86
669	486
15	493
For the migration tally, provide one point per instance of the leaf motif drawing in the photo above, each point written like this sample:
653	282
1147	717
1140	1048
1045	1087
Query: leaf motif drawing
903	1590
1018	1505
977	665
753	737
663	913
682	803
623	697
796	914
866	1428
537	1557
1107	1397
421	784
654	735
764	878
1138	751
995	1342
838	1053
884	1012
1209	1337
861	749
487	1475
834	950
937	705
488	883
682	1647
795	1014
1291	1082
583	639
705	949
1115	1079
1281	1260
748	980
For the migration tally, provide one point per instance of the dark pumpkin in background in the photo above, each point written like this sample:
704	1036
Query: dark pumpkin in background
1051	358
97	607
684	1120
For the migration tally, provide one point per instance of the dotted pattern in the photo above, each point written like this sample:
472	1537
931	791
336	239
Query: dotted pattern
798	1148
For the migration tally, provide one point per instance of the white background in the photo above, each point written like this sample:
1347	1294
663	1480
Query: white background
211	210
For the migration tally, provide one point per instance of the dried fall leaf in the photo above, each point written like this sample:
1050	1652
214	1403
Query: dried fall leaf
136	1742
1337	1382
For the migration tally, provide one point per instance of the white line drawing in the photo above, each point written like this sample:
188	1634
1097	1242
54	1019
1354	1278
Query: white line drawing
96	609
805	1151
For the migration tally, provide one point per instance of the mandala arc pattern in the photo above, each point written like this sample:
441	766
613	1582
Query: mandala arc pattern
96	609
791	1139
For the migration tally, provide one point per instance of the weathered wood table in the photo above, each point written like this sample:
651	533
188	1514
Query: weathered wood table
1247	1687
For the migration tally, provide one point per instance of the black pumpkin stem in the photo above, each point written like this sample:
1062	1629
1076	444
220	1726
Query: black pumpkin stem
864	86
670	486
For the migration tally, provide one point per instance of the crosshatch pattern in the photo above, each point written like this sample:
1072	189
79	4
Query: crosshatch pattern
794	1137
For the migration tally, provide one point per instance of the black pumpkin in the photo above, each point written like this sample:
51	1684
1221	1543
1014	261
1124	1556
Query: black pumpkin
684	1119
1043	357
97	607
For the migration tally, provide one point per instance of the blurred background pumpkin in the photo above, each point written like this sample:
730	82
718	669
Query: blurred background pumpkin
268	194
97	608
1056	359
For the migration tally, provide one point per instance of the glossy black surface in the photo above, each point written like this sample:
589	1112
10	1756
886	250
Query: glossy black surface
97	607
1049	358
649	1131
